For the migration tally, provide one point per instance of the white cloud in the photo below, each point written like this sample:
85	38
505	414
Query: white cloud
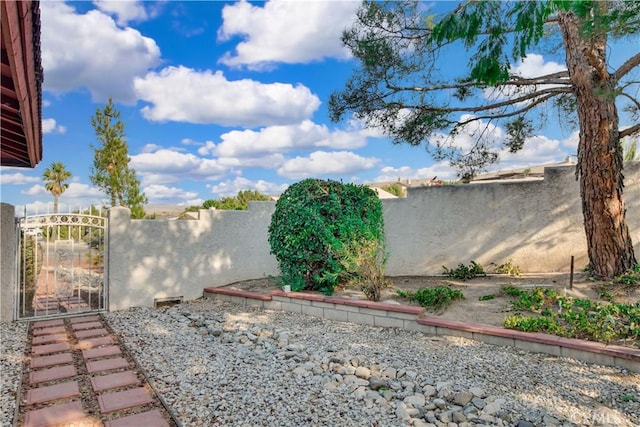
538	150
159	194
280	139
16	178
182	94
270	161
126	11
169	166
322	163
286	31
77	196
533	65
231	188
572	141
50	126
90	51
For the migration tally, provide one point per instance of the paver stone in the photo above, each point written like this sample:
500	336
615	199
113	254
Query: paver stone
119	379
52	415
52	392
110	402
150	418
51	374
106	364
54	359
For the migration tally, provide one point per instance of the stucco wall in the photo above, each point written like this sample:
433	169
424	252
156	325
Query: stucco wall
8	260
536	224
151	259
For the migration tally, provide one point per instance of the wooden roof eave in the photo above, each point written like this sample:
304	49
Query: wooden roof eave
18	34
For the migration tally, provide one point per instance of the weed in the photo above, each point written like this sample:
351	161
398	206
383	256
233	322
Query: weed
605	293
435	299
464	272
486	297
365	258
512	291
508	268
532	324
628	397
631	277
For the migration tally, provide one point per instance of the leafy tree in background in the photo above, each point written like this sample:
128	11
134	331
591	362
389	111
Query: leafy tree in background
395	189
54	177
239	202
110	171
400	89
630	151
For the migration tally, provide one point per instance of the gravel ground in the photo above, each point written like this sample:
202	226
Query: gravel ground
217	363
13	339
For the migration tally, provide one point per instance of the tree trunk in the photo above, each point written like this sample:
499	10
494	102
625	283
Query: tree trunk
609	244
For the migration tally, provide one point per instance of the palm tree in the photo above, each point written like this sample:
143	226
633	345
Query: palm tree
55	177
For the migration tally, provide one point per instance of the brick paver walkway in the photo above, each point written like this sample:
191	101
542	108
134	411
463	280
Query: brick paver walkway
77	373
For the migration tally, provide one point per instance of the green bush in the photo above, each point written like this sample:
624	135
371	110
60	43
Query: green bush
240	202
315	224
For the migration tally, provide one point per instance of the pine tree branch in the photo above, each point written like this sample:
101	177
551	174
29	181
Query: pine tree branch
544	95
632	99
630	131
625	68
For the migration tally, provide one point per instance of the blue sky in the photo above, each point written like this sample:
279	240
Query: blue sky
218	97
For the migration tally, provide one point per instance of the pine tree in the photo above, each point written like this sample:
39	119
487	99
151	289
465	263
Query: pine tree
111	172
400	88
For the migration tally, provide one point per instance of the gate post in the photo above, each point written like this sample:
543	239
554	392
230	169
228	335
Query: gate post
8	261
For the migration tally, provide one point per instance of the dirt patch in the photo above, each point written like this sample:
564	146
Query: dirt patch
472	309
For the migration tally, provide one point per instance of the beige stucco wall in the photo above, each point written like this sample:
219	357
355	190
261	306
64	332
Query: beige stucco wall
151	259
8	261
537	225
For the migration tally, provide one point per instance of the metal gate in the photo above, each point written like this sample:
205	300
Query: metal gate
60	264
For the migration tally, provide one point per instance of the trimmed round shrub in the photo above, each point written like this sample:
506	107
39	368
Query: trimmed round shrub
315	225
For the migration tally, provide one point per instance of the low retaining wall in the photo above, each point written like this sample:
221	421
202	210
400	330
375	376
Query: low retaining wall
414	318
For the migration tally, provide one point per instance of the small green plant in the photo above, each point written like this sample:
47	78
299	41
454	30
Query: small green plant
605	294
532	324
631	277
532	300
464	272
435	299
512	291
486	297
629	397
572	317
508	268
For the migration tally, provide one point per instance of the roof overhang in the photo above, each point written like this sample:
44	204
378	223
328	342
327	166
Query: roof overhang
21	84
